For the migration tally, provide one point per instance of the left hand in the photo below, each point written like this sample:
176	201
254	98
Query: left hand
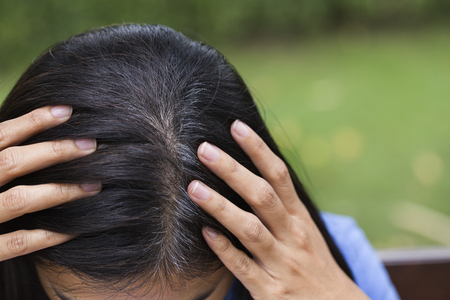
291	259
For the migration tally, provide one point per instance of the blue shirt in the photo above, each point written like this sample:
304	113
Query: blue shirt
368	271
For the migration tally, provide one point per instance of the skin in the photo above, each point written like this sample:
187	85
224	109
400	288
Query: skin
16	161
61	285
290	257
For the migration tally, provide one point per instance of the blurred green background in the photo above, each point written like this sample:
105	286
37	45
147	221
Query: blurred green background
355	91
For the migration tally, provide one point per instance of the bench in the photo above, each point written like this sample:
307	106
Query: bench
419	274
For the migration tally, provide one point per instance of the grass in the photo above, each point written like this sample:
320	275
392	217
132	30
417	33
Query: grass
365	121
367	118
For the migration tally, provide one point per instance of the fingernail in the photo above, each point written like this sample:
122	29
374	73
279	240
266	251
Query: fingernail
200	191
209	152
61	111
241	129
211	233
91	187
86	144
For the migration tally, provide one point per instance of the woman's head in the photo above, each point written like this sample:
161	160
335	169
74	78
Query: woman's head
149	96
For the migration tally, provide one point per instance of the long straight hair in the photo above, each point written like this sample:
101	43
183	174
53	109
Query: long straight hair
150	96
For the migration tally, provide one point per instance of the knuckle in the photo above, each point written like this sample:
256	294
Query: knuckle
58	147
243	265
225	247
62	191
8	160
221	207
260	145
4	132
36	119
232	168
17	243
304	240
254	230
15	200
266	197
281	173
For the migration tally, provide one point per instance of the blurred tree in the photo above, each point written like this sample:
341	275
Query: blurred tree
28	27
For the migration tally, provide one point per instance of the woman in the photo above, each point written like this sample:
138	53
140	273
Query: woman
165	113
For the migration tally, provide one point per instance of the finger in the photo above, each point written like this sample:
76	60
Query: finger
256	191
244	225
271	167
15	131
21	200
246	270
23	242
20	160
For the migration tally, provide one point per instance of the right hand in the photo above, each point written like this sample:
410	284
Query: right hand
16	161
290	258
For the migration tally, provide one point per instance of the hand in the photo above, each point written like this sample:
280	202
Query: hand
16	161
291	259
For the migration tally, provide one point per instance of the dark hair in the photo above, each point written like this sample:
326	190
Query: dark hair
150	96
